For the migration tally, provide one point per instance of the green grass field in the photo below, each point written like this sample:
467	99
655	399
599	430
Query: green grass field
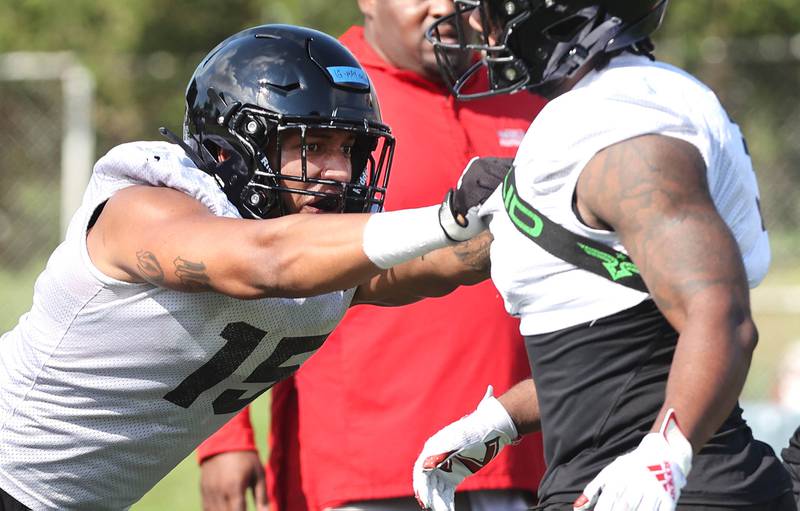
179	491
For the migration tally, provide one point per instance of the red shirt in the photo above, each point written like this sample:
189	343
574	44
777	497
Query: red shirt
388	378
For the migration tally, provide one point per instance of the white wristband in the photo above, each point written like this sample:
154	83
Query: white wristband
395	237
681	448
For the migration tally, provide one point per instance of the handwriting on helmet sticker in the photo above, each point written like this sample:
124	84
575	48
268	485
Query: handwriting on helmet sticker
348	75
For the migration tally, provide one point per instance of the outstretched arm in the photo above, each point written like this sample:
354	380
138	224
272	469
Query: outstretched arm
439	272
434	274
166	238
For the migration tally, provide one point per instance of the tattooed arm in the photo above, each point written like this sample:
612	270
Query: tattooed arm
434	274
652	191
164	237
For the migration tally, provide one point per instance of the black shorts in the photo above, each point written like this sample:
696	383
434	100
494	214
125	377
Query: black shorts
9	503
783	503
600	387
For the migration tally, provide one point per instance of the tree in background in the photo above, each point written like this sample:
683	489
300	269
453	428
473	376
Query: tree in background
749	53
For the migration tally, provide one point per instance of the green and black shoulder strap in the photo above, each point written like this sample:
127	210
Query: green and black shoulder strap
583	252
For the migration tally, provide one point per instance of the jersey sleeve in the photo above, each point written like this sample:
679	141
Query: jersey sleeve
556	143
236	435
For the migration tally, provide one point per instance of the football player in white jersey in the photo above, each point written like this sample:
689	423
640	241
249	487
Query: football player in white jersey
625	238
186	287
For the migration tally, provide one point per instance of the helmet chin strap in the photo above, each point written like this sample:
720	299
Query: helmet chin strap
203	163
201	157
577	56
231	173
604	34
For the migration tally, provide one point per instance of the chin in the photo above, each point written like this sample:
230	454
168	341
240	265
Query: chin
430	70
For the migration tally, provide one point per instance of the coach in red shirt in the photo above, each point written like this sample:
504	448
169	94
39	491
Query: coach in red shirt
347	429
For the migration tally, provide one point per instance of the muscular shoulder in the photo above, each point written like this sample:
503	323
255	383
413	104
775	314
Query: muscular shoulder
137	203
631	92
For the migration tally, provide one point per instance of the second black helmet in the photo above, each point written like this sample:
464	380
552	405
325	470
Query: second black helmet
537	44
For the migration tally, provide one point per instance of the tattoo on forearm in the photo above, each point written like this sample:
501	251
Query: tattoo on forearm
474	253
191	274
148	267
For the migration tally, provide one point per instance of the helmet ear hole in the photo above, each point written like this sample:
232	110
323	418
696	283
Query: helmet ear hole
566	30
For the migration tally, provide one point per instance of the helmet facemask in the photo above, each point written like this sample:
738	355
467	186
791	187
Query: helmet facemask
251	172
506	74
535	44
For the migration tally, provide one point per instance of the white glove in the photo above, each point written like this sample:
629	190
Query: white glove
458	214
650	477
461	449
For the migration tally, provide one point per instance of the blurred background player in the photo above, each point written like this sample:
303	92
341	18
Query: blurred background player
786	391
625	238
345	432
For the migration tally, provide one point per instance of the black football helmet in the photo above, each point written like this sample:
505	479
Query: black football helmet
259	84
537	44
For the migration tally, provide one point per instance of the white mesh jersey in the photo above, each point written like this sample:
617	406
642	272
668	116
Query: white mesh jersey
632	96
105	386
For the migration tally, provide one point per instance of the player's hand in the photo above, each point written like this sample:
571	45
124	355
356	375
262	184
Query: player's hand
459	212
225	479
461	449
650	477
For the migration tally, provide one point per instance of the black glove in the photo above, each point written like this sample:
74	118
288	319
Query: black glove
480	179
